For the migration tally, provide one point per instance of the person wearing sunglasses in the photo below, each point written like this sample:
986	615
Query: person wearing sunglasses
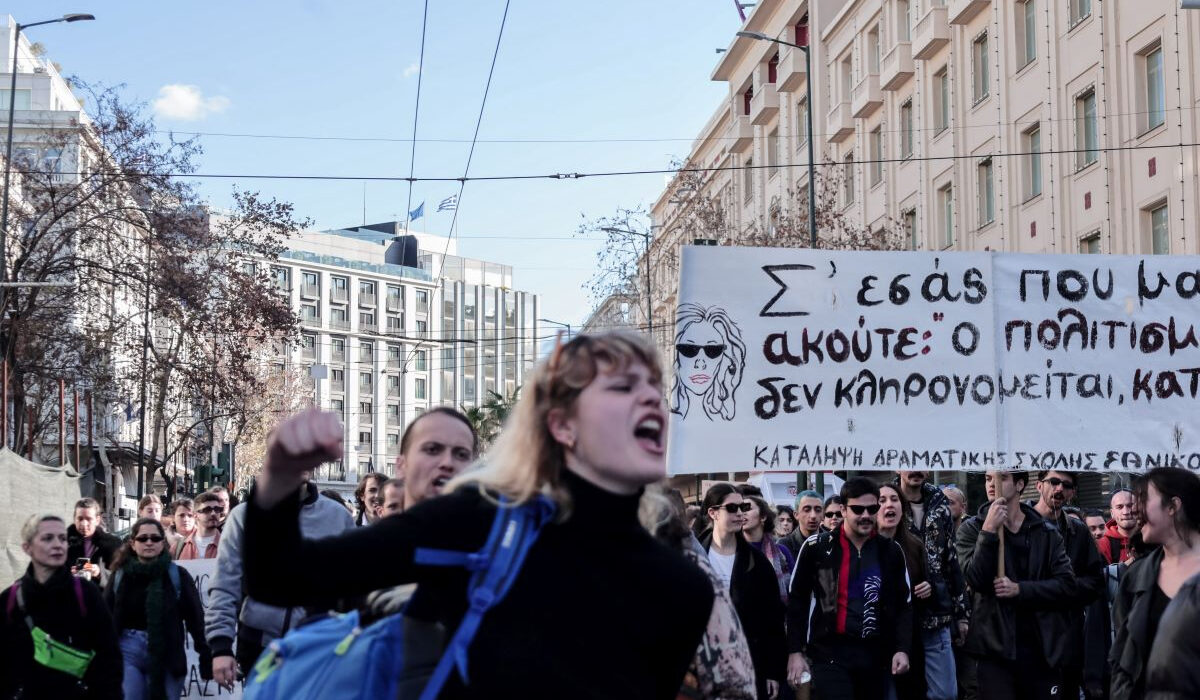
709	359
833	514
204	541
849	619
1056	489
750	578
152	602
1019	623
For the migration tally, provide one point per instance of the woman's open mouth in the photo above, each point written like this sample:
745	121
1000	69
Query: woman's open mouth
649	434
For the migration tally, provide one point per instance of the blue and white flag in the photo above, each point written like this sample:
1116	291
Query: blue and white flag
417	213
449	204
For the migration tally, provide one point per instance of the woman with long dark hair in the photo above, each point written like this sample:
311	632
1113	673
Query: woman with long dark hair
152	600
893	520
1171	519
600	609
760	523
752	584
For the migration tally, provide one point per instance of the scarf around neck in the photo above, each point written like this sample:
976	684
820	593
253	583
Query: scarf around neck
155	573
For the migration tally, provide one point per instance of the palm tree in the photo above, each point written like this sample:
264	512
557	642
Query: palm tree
489	417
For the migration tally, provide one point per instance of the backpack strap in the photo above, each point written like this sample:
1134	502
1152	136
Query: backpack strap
514	531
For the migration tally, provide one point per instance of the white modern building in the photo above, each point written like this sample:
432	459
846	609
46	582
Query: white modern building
394	324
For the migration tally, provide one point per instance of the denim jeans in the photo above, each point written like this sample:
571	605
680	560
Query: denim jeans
135	651
940	674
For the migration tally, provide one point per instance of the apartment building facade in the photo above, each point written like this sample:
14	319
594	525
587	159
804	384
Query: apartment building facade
395	325
1033	126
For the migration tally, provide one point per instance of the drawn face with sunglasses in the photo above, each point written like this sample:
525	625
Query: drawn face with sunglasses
709	359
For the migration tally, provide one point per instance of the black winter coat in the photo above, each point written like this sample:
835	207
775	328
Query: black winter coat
813	597
106	547
761	612
1173	673
1048	591
182	609
1131	620
1088	567
54	607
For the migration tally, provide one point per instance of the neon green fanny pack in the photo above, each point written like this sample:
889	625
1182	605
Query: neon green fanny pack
59	656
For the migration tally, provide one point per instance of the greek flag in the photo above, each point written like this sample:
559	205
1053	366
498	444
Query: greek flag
417	213
449	204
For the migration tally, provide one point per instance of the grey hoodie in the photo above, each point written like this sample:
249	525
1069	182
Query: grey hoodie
319	517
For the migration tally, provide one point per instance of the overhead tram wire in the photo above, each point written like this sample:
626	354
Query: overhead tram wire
624	173
462	184
412	158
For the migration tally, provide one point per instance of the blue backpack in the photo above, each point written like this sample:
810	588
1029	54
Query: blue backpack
337	657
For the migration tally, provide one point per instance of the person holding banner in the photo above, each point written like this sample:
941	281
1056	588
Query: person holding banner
56	637
1171	510
1018	570
849	618
152	601
600	609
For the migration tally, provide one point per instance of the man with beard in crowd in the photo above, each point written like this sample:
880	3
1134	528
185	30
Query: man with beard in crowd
1114	546
849	608
945	612
808	520
1055	490
1018	617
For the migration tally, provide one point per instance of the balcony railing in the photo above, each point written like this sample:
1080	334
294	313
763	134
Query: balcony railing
791	71
395	303
310	291
366	298
337	356
867	96
340	324
896	67
839	123
742	132
963	11
337	385
393	421
764	105
340	295
931	33
368	328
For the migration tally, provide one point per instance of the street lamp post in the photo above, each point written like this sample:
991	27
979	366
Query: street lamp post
649	296
12	103
812	174
557	323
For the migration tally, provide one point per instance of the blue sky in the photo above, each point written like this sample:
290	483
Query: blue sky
567	70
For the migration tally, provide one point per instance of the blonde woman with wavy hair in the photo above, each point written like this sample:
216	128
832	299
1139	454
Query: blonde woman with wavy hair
600	609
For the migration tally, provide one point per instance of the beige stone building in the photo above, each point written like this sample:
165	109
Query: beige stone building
1044	126
1032	126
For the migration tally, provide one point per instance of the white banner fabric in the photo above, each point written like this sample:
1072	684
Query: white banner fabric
795	359
202	572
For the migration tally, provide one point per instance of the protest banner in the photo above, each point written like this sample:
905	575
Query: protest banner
794	359
202	571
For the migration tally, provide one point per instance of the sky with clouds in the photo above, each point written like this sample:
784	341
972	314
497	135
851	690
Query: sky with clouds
315	87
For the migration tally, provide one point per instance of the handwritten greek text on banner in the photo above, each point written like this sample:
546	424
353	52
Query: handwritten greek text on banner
788	359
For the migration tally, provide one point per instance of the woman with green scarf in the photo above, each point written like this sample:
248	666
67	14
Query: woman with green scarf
152	600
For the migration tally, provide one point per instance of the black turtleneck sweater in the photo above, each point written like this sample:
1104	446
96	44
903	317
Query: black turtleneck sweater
599	610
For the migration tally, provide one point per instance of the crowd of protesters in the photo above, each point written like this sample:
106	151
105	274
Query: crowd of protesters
892	588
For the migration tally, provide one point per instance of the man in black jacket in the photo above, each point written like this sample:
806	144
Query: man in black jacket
849	610
1055	490
87	539
1019	620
